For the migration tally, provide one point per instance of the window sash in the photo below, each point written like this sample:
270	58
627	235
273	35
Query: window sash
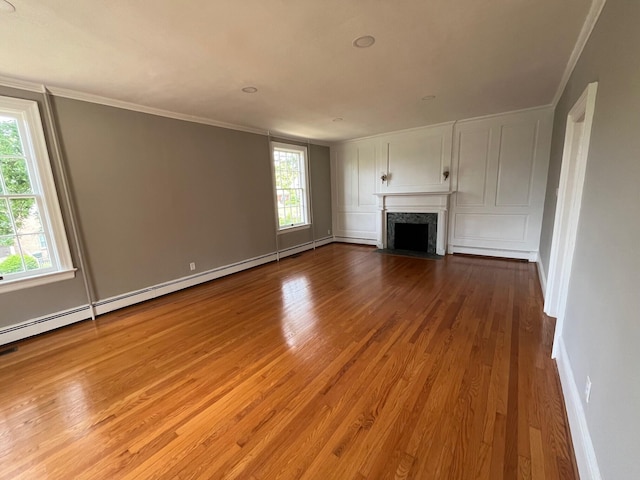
289	166
35	154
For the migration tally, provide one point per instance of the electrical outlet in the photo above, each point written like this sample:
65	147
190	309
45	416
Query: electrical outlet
587	389
328	232
192	266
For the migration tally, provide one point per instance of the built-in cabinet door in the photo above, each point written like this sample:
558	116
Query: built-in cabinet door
416	160
500	172
355	207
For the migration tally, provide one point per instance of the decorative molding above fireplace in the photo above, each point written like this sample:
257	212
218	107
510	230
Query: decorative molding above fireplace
414	202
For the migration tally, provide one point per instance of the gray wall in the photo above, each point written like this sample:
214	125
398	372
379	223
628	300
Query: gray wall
320	183
153	194
21	305
602	323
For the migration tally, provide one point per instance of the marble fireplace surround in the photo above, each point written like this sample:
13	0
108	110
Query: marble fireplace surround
415	202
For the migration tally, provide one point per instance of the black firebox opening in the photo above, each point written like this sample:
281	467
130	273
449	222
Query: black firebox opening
412	236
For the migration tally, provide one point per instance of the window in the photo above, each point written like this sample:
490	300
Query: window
33	246
291	185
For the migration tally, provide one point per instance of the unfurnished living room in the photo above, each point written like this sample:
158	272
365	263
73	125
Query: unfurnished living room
355	239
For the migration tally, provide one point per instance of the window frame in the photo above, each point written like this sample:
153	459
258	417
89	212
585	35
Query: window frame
306	190
27	113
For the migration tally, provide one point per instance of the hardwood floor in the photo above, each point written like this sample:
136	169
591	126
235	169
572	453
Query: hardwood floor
338	364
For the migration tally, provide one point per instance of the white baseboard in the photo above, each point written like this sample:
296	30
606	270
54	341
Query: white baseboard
542	276
19	331
29	328
121	301
360	241
583	446
494	252
287	252
324	241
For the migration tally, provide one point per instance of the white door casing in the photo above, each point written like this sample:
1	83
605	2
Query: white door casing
565	225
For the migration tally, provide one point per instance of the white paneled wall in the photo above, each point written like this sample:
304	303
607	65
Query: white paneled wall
354	175
413	161
499	174
498	170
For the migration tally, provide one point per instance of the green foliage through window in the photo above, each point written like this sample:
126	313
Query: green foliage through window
13	264
291	195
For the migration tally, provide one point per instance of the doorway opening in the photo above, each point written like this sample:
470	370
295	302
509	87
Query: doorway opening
565	226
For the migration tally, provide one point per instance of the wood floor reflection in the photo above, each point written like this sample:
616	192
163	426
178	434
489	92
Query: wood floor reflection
340	363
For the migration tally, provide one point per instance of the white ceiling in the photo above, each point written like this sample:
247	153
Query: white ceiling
193	57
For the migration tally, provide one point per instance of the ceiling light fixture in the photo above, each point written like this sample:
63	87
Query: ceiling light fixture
6	7
429	97
338	119
364	42
249	89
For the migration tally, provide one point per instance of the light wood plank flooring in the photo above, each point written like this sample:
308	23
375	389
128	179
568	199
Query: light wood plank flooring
340	363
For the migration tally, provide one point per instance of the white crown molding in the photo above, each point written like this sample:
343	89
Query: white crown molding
293	138
88	97
448	124
394	132
503	114
583	38
21	84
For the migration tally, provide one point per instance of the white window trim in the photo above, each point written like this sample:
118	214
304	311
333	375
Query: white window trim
295	148
35	142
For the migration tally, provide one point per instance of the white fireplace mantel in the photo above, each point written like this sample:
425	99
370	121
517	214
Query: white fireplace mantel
414	202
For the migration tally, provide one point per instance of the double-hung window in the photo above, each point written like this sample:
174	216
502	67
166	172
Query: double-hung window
290	167
33	245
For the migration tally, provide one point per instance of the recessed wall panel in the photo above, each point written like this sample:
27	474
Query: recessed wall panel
473	148
515	164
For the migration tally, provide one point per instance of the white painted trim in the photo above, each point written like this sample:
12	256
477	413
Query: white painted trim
287	252
35	281
110	102
29	328
581	42
582	445
395	132
293	138
21	84
493	252
88	97
121	301
542	276
324	241
359	241
567	216
27	114
504	114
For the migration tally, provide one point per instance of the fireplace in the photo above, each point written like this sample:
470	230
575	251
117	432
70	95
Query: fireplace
428	209
416	232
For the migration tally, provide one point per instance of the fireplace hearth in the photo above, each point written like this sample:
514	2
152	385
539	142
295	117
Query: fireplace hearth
412	232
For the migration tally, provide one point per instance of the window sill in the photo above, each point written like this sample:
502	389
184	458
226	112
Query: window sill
36	280
295	228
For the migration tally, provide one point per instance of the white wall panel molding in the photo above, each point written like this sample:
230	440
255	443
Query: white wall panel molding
414	161
505	228
499	173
